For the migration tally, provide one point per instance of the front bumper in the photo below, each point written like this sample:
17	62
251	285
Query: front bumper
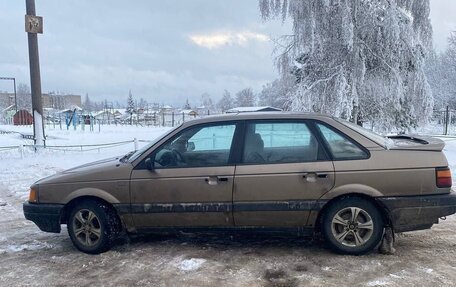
45	216
409	213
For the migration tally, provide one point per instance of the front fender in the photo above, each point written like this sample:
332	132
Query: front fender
88	191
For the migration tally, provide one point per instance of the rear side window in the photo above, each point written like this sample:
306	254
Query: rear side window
281	142
341	147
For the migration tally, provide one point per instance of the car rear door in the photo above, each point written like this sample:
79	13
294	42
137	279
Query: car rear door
191	183
282	172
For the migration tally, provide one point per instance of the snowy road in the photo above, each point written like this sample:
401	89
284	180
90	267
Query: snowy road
31	257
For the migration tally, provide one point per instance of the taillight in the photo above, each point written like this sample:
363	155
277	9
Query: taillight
443	177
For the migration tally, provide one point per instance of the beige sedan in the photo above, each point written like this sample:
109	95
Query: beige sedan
270	172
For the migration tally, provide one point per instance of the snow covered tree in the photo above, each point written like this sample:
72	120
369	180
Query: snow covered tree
245	98
130	106
360	60
441	72
206	101
275	93
226	102
24	98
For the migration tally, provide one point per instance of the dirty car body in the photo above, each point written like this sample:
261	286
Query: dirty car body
254	171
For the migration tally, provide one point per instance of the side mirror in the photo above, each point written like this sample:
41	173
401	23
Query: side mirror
149	164
190	146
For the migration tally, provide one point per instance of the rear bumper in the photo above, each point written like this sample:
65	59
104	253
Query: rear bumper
409	213
45	216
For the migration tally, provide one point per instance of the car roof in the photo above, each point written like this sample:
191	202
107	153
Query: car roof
258	116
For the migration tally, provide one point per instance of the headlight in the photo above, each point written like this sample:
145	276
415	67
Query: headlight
33	195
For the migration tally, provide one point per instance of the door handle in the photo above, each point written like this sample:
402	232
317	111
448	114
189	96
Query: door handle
322	175
213	180
313	174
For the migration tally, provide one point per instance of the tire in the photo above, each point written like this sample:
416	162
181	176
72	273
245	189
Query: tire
93	226
349	234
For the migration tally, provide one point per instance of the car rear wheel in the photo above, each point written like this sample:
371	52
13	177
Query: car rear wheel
93	226
352	226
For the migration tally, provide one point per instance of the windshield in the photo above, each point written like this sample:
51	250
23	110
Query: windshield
379	139
134	155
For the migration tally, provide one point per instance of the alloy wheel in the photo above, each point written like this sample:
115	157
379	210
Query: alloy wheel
352	226
86	227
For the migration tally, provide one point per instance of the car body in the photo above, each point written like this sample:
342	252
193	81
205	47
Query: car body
271	171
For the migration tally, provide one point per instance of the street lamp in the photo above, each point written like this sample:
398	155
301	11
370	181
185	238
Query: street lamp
14	81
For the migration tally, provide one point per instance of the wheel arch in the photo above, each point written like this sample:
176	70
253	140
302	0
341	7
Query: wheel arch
91	192
381	208
66	210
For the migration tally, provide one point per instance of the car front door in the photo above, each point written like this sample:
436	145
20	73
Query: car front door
283	171
191	182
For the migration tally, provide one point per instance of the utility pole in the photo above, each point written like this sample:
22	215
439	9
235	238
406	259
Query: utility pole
33	26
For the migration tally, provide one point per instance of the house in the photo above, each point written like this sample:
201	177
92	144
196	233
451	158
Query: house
22	117
253	109
188	112
105	117
203	110
166	109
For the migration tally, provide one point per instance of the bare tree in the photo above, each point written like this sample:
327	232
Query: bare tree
245	98
24	98
226	102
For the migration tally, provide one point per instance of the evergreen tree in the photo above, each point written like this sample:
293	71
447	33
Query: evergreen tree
130	106
88	106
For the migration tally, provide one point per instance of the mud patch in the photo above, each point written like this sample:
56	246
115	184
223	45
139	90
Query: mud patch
279	278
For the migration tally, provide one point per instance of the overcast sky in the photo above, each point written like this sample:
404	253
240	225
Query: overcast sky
163	51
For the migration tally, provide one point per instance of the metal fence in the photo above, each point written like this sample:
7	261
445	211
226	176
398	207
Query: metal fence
22	150
156	119
81	121
443	122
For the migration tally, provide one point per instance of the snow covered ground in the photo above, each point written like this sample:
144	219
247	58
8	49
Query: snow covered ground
31	257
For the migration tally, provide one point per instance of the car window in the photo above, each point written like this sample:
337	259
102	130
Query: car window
196	147
341	147
267	143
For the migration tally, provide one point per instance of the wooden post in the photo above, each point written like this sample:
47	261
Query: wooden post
35	78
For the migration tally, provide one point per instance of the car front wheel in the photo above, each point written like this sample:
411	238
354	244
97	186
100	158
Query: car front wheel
93	226
352	226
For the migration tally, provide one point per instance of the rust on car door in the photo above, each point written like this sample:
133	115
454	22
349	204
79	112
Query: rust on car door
191	182
284	170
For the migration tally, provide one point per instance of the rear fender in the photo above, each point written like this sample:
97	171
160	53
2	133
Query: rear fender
350	189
